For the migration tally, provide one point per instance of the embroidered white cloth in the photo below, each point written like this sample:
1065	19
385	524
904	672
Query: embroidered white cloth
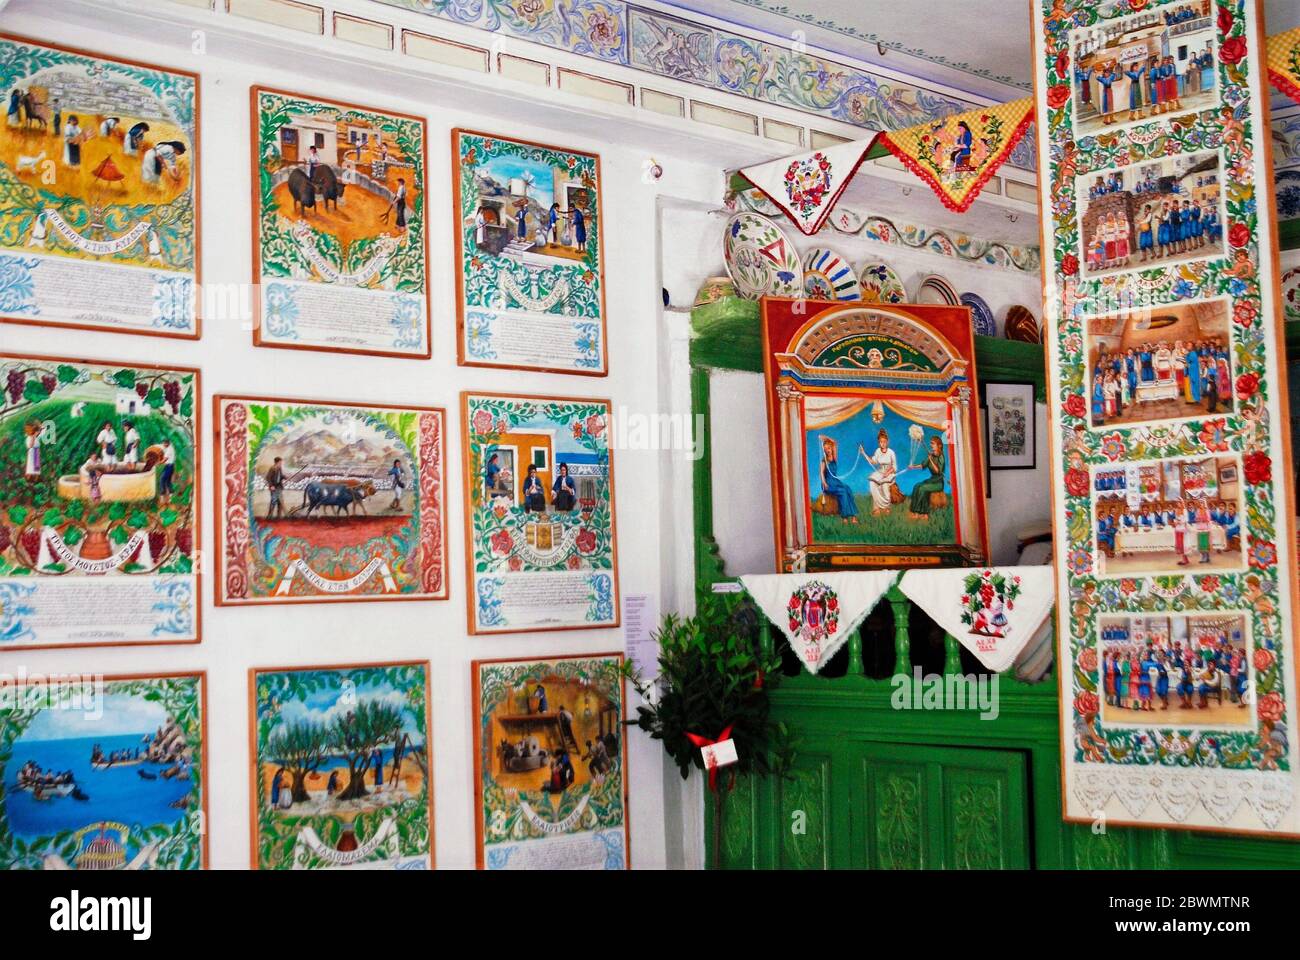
818	611
806	187
992	611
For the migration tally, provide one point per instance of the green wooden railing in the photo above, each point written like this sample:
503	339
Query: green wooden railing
884	788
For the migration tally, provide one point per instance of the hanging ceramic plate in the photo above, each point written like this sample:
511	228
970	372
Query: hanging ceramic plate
880	284
846	220
935	289
1021	325
828	276
760	258
981	315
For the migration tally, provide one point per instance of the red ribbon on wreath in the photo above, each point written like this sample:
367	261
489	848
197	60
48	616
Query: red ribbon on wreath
712	766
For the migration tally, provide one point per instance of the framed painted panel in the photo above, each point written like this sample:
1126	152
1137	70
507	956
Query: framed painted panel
329	502
874	435
99	481
550	763
100	225
104	773
530	264
539	506
342	767
340	244
1173	500
1011	427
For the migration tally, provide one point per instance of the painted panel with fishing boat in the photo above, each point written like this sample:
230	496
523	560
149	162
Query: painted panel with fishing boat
104	774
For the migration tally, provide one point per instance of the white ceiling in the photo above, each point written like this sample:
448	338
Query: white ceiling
980	46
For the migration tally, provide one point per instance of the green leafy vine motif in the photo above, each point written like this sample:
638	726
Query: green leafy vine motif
172	842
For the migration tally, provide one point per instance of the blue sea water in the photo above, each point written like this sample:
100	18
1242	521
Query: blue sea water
118	794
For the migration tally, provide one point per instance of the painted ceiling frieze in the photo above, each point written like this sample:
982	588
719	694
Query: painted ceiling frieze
699	54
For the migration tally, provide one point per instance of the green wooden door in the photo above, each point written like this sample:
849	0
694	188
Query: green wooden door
927	807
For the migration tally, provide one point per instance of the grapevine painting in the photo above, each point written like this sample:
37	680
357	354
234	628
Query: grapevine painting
99	188
99	502
539	502
341	248
330	502
529	257
103	775
1173	501
341	768
550	763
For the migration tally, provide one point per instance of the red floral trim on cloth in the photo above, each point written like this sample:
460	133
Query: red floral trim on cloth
433	555
1283	51
959	205
237	541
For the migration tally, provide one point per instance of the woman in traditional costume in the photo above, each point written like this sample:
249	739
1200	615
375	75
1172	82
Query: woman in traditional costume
160	157
882	478
72	142
1192	388
1135	105
934	463
1098	400
1107	78
833	486
32	439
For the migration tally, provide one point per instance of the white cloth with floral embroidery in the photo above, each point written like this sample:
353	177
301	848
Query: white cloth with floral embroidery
992	611
818	611
806	187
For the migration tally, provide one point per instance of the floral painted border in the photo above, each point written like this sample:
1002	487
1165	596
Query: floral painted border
248	572
1249	431
962	246
727	62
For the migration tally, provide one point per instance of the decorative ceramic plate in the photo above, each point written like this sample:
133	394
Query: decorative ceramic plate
1291	294
880	284
935	289
1021	325
760	258
715	289
981	315
846	220
828	276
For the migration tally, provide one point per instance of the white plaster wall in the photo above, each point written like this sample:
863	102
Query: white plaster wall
236	639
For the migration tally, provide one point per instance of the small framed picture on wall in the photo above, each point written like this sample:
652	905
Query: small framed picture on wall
1009	407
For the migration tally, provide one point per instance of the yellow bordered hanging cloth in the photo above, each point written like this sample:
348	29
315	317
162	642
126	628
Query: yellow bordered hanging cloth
958	154
1284	62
